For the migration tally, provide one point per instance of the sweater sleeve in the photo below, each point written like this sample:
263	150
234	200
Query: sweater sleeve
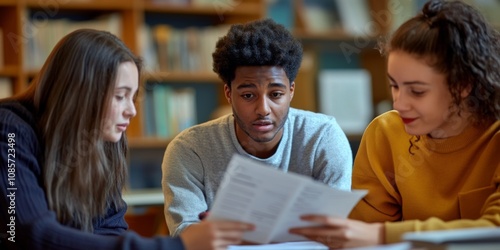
183	186
26	222
373	171
333	157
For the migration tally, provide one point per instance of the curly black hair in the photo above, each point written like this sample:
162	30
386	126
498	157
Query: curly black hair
257	43
455	39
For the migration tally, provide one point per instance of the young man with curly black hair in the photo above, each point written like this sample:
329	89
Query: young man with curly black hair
258	62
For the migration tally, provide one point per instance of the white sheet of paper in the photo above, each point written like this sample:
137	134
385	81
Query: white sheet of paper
298	245
312	245
274	201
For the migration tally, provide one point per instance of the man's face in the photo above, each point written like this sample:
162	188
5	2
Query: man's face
260	97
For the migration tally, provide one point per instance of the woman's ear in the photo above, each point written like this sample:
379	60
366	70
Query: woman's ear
466	91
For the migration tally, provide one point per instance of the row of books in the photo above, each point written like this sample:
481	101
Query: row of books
46	33
168	110
165	48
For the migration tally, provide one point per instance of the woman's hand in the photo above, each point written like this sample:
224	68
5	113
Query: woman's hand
212	235
341	233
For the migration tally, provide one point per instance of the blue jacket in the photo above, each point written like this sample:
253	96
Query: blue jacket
26	222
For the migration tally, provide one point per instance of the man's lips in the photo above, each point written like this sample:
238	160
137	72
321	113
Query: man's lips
263	125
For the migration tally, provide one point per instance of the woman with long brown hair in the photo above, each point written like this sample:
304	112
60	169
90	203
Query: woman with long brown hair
63	155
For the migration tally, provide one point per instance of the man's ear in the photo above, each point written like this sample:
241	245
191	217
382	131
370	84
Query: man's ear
227	93
292	89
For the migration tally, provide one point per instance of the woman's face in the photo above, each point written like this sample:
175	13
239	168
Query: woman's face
122	107
420	95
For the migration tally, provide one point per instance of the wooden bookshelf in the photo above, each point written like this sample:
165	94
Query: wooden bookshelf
54	6
135	13
184	77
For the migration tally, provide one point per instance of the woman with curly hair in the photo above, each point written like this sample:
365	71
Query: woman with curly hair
258	62
432	163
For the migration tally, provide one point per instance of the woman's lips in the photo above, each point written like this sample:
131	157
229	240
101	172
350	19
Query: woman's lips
122	127
408	120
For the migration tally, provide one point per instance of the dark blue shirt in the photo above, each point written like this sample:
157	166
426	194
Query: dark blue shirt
26	222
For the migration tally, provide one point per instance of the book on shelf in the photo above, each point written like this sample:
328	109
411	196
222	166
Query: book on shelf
182	50
168	111
320	16
347	96
273	200
161	96
5	87
401	11
281	11
149	119
162	34
456	239
355	17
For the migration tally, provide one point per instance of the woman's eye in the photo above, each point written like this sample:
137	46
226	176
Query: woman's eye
119	97
393	86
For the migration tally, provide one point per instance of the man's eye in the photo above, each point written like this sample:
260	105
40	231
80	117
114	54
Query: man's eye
277	94
247	96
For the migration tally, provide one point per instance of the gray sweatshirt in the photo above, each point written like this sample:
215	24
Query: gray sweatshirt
195	161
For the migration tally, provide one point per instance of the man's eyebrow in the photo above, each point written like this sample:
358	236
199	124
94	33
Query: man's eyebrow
277	84
246	85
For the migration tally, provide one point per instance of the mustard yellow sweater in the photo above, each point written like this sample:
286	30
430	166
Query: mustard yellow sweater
446	183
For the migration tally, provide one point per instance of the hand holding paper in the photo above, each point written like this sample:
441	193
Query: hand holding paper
274	201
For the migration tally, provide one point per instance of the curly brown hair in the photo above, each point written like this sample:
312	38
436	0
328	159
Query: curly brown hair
455	39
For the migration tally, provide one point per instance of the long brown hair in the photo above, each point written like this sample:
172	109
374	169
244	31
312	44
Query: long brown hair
83	174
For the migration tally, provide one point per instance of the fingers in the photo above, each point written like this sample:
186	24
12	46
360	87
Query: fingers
325	220
331	231
326	225
213	235
312	232
333	238
230	233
